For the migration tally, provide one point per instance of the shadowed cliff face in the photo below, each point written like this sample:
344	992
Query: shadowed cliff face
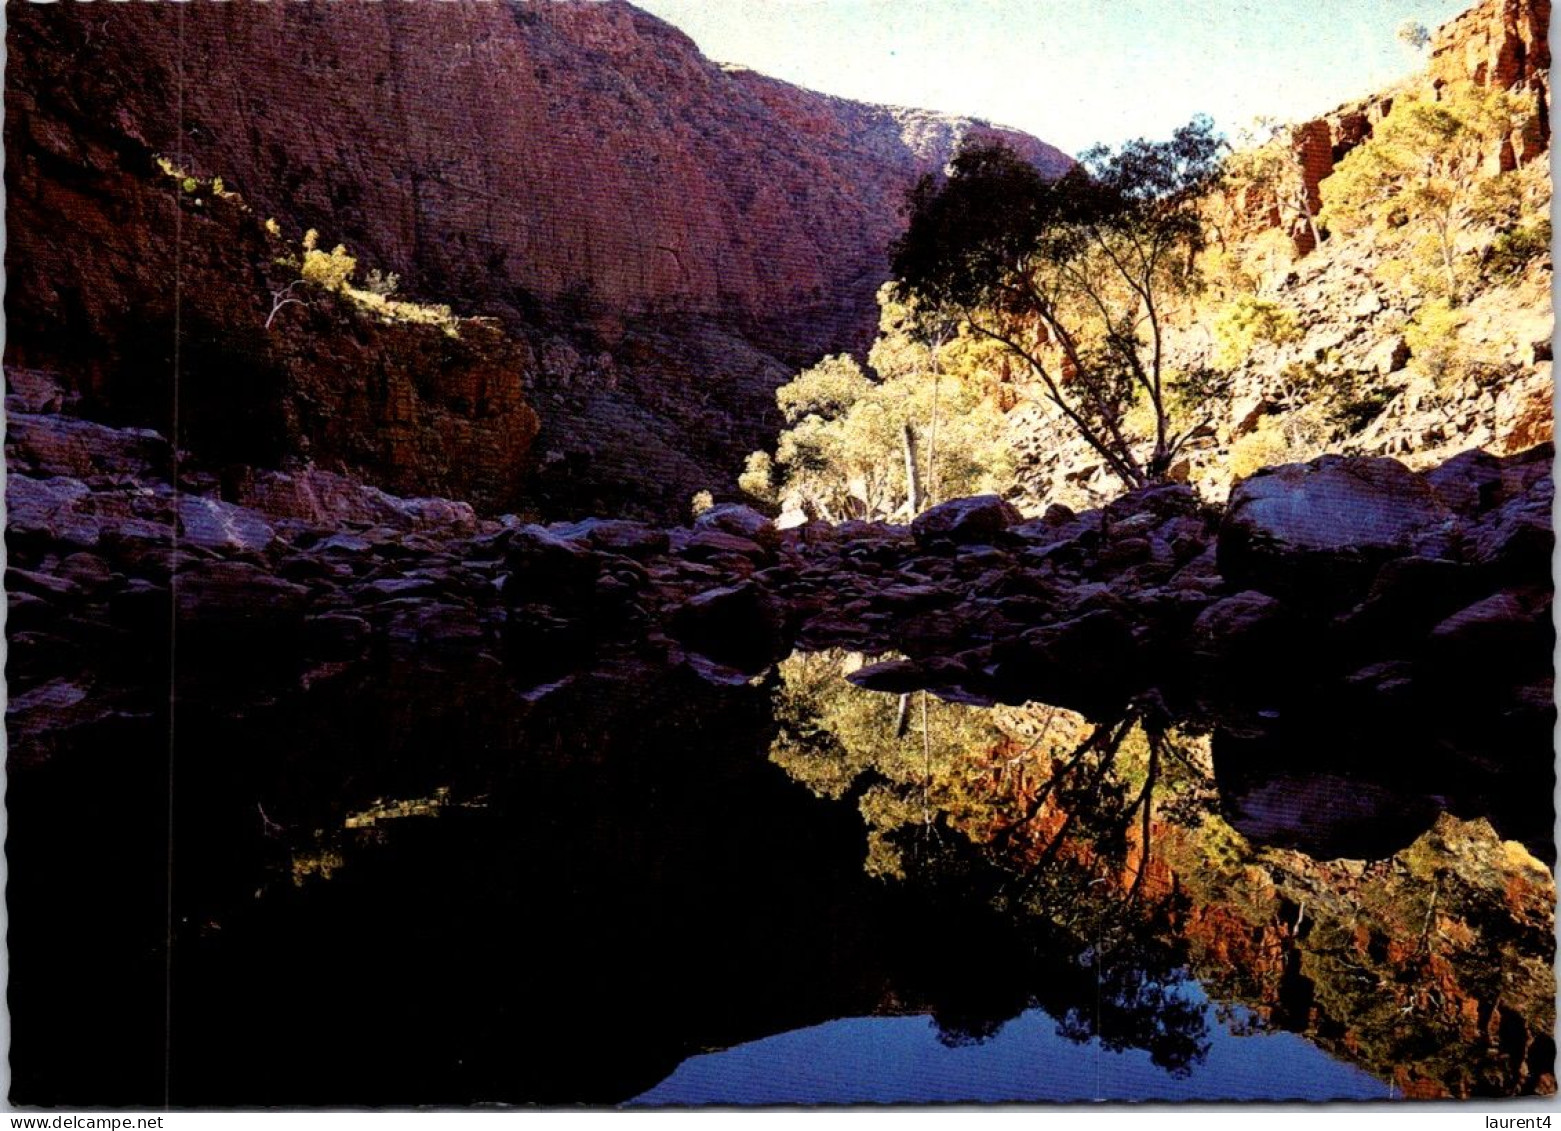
668	237
505	153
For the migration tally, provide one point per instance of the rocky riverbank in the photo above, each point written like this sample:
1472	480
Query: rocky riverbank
1349	589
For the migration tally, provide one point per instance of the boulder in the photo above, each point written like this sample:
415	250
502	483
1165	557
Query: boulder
326	499
1408	597
1245	415
1388	356
1315	533
62	445
741	521
1469	483
47	509
222	526
965	521
232	594
1506	633
541	559
893	676
705	545
1244	628
433	632
614	536
736	625
1513	539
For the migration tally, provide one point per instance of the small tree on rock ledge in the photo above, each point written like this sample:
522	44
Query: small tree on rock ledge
1074	278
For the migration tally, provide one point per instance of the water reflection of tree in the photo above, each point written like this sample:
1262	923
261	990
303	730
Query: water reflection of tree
1105	791
1037	829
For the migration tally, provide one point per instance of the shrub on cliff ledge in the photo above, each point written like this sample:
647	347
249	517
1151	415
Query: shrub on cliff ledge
333	270
329	269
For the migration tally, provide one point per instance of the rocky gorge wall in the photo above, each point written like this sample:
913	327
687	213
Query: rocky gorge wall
509	154
668	237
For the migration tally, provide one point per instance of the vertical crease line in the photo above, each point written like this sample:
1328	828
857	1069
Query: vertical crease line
173	556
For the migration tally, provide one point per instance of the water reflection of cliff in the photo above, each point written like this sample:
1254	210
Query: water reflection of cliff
1430	967
487	892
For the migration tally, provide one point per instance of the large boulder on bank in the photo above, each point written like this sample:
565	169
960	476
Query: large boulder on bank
541	561
217	525
1316	533
1504	637
965	521
46	444
741	522
614	536
736	625
1089	664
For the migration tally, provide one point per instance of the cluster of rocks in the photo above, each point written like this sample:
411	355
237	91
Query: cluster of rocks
1344	573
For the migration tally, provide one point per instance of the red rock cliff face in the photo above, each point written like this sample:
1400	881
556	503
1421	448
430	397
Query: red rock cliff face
119	278
1499	43
1496	44
671	237
500	153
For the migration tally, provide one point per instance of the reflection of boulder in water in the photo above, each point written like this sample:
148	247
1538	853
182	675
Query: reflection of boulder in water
1334	784
1326	815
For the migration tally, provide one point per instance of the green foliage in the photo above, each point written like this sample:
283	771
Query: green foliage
1247	322
1073	278
758	477
331	270
1292	436
1416	176
191	185
843	454
828	389
1518	246
1265	446
1432	335
1414	35
829	734
1356	407
381	283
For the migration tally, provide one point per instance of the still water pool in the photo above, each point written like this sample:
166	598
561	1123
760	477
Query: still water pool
880	1060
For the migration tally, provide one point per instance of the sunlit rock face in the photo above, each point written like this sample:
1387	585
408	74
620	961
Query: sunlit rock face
1500	44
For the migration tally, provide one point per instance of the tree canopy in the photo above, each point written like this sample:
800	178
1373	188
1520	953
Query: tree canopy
1074	279
1413	181
925	424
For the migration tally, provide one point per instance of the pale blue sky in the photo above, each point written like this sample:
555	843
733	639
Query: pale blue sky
1072	72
